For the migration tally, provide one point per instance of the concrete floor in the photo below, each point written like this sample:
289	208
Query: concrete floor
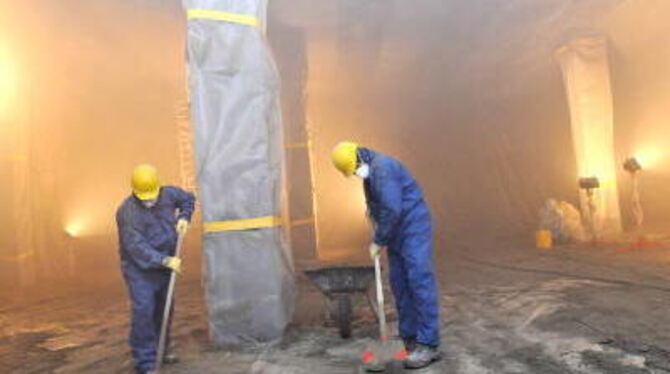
507	308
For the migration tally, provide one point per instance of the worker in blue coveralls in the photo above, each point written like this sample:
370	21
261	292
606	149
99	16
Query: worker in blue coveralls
403	225
148	223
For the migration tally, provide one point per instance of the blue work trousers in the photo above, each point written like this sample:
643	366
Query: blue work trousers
413	282
148	292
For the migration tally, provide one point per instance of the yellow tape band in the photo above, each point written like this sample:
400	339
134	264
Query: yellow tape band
216	15
242	224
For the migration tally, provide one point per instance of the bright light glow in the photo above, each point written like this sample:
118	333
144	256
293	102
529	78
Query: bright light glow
8	82
648	157
74	229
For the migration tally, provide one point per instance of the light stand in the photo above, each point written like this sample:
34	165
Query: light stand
588	185
69	248
633	167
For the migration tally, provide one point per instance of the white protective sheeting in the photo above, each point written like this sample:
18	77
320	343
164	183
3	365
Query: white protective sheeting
586	75
234	89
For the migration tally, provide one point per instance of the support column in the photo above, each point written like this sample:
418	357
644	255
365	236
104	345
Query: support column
587	83
239	148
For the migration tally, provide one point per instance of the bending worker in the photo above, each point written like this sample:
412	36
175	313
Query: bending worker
148	223
403	225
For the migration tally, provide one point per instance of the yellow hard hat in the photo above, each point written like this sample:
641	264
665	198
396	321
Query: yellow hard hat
145	183
345	156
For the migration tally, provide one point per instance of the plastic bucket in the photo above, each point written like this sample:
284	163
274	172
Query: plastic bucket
543	239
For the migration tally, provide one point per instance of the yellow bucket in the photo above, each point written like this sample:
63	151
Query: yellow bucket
543	239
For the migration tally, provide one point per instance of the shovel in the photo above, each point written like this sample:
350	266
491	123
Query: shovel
168	308
380	300
373	363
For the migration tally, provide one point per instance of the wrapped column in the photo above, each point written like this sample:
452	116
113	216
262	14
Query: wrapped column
236	118
587	83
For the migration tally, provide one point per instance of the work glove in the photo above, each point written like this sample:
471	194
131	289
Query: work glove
182	226
375	250
173	263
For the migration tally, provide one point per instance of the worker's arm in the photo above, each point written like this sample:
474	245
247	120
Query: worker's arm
388	191
185	204
134	243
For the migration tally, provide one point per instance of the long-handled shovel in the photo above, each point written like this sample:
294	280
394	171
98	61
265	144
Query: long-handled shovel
168	309
372	362
380	300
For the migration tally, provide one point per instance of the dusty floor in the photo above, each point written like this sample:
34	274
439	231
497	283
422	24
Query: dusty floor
569	310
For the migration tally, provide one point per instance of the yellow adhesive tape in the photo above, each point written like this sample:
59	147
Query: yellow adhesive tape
242	224
217	15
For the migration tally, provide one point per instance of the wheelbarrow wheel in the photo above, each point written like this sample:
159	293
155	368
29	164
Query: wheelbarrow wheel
344	312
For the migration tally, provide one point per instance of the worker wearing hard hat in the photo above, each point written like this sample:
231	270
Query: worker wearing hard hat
149	221
403	225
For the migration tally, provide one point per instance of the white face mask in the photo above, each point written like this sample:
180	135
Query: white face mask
149	203
363	171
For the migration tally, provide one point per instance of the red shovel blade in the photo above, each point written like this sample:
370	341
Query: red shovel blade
401	355
368	357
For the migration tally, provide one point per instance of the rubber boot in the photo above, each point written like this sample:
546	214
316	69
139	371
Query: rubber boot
422	356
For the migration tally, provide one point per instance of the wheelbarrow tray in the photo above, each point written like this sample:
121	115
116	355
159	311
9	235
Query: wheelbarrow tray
339	284
342	279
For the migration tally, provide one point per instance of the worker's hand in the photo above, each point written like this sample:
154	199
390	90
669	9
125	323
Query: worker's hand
375	250
173	263
182	226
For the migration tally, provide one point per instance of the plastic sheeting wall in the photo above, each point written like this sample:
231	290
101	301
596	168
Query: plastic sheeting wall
456	90
587	82
93	91
470	96
467	93
234	90
289	47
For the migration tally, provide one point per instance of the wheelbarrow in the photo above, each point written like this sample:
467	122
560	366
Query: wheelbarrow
339	284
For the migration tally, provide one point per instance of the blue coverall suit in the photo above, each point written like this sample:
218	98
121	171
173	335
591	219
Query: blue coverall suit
403	225
146	237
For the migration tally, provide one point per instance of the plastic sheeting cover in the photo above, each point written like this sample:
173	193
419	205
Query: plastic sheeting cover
237	131
587	82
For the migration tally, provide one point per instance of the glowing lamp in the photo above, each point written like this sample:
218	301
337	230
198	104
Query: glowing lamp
73	230
632	165
589	183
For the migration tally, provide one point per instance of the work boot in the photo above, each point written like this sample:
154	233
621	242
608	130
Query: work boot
170	359
422	356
